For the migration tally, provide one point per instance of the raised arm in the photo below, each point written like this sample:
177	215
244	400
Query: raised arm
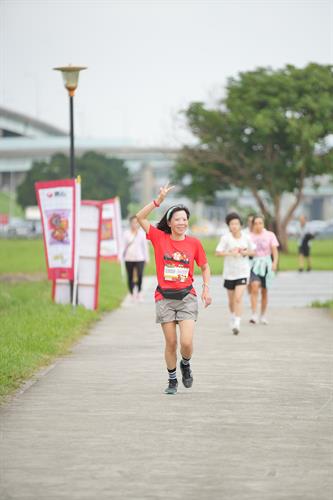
145	211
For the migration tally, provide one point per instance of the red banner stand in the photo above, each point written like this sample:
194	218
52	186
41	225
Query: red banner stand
88	259
112	238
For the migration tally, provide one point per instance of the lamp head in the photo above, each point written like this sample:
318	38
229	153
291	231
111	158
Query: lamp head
70	75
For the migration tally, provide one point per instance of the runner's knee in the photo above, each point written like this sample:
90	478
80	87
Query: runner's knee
171	345
186	345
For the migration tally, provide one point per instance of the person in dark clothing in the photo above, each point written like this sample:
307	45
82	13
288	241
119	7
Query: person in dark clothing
304	245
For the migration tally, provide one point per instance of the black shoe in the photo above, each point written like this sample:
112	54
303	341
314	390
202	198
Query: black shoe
187	375
172	387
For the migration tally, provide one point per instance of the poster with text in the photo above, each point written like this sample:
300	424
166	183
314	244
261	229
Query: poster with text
57	203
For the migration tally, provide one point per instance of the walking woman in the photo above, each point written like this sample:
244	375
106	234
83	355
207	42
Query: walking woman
136	254
235	247
264	266
175	297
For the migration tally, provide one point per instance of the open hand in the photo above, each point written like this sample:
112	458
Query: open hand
164	192
206	298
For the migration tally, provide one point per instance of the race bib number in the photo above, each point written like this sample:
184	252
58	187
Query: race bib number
176	273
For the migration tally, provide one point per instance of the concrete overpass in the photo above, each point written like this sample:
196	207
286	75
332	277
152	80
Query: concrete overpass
24	147
25	140
14	124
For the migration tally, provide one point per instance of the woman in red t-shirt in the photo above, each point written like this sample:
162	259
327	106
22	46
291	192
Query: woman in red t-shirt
175	297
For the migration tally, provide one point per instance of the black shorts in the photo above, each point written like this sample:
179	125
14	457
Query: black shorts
256	277
231	284
304	250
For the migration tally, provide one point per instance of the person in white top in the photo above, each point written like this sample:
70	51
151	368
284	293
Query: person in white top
235	247
136	254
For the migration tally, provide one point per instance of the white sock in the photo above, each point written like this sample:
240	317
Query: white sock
237	321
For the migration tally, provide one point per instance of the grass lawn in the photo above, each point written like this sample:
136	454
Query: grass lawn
324	305
321	256
33	329
22	256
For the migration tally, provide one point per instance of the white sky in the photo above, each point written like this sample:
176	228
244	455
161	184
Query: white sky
147	59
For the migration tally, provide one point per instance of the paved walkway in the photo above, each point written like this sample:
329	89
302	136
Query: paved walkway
257	424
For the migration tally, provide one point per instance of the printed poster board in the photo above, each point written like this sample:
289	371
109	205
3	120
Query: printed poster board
58	201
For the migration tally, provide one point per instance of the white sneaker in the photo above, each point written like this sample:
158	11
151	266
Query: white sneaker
236	327
254	319
133	298
232	321
263	320
140	297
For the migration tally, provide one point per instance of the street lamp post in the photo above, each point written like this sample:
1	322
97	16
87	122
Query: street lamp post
71	78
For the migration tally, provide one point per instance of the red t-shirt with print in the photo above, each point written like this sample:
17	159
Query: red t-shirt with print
175	259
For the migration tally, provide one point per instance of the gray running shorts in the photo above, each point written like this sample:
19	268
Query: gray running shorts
177	310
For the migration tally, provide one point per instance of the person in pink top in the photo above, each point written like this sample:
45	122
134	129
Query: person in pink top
264	266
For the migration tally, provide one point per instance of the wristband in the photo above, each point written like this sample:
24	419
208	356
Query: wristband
155	203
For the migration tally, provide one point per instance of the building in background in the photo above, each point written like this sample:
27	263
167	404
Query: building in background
24	140
16	131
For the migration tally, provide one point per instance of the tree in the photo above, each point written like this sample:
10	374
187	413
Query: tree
268	135
102	178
